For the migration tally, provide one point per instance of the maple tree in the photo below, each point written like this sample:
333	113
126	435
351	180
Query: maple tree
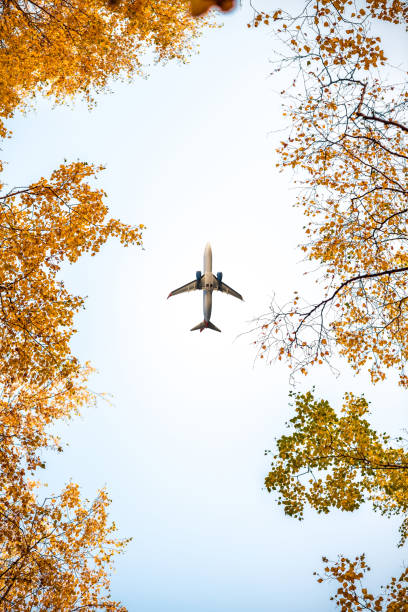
348	139
64	48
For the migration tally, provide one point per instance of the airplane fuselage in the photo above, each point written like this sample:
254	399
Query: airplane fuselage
207	283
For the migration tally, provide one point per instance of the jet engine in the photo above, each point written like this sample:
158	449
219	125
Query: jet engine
198	279
219	278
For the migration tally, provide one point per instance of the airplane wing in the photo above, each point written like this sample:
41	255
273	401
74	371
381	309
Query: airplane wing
223	287
189	287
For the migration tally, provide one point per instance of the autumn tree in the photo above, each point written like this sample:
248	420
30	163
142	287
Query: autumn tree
347	147
64	48
55	553
348	143
41	226
352	596
334	459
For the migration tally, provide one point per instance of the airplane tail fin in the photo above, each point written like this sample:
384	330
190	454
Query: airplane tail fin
205	324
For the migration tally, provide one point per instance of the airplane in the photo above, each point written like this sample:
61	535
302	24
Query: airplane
208	282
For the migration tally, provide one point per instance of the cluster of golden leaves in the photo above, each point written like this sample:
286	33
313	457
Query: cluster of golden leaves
65	48
352	596
339	26
349	139
55	553
51	221
342	460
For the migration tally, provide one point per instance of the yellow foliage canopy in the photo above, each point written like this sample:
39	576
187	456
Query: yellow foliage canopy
352	596
349	140
55	553
51	221
65	47
332	460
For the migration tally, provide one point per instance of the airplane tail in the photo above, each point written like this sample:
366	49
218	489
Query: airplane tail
205	324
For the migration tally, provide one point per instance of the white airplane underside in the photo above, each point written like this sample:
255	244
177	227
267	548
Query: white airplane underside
207	283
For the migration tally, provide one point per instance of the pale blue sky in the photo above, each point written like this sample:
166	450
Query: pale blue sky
189	153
